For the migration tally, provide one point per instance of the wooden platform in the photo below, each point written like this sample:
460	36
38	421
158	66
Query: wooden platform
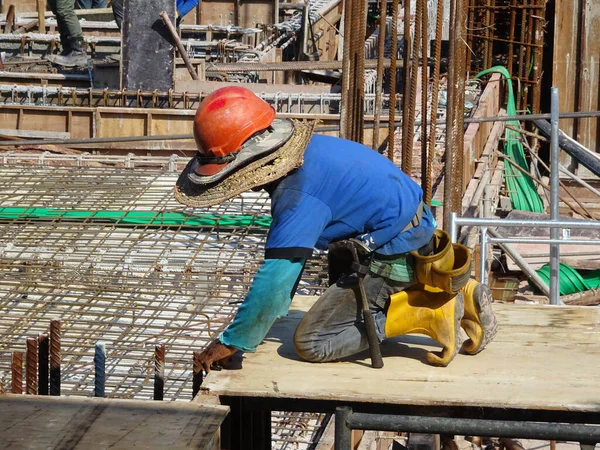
28	422
544	358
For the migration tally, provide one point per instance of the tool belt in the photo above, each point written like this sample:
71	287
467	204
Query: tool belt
340	257
448	267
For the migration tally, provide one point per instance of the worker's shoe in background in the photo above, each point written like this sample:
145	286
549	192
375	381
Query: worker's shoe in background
425	310
73	54
479	321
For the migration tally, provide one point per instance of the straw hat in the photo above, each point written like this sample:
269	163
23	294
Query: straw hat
264	158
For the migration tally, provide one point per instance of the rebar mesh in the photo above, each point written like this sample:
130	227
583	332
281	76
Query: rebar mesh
130	286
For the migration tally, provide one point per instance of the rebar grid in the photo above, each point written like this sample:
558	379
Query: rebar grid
509	33
129	286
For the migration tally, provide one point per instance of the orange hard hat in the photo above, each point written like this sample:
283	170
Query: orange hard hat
224	121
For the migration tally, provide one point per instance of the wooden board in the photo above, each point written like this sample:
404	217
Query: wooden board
544	358
148	60
83	423
576	68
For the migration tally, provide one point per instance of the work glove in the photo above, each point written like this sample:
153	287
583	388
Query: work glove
216	355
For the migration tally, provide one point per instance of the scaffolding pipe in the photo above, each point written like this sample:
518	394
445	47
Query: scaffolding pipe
554	204
346	421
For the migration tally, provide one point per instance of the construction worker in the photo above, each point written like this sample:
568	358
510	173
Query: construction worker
326	190
71	38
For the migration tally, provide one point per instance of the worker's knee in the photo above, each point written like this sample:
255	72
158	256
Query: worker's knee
310	353
307	347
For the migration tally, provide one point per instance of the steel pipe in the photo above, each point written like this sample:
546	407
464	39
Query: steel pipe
554	204
589	434
534	223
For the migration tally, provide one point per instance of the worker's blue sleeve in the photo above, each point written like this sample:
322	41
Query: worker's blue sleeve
269	297
185	6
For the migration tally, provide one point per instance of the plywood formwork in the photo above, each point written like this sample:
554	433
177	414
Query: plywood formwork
507	376
576	68
84	423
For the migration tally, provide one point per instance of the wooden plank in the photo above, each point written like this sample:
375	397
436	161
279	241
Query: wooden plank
33	134
148	60
581	256
576	68
83	423
532	340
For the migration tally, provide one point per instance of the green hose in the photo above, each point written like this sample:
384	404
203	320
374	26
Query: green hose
146	218
521	188
571	280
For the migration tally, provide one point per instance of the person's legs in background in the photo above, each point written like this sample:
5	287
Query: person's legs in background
71	37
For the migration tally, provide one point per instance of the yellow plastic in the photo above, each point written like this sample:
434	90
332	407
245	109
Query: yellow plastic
447	268
426	310
478	320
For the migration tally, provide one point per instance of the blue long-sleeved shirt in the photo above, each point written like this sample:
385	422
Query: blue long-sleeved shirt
342	190
185	6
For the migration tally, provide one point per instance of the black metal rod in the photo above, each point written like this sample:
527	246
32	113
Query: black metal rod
343	434
43	364
588	434
374	348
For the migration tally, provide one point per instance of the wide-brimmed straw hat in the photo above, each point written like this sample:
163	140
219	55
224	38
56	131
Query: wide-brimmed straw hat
264	158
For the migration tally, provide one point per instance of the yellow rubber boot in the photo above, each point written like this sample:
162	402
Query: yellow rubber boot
425	310
479	321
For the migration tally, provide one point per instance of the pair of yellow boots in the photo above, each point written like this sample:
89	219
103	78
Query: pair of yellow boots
456	302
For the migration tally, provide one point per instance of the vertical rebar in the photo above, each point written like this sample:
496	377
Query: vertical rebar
459	105
43	364
407	58
427	188
198	375
345	108
522	62
31	380
554	203
379	85
55	332
393	60
407	150
512	28
538	35
17	373
159	371
424	90
492	26
450	124
100	369
359	70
